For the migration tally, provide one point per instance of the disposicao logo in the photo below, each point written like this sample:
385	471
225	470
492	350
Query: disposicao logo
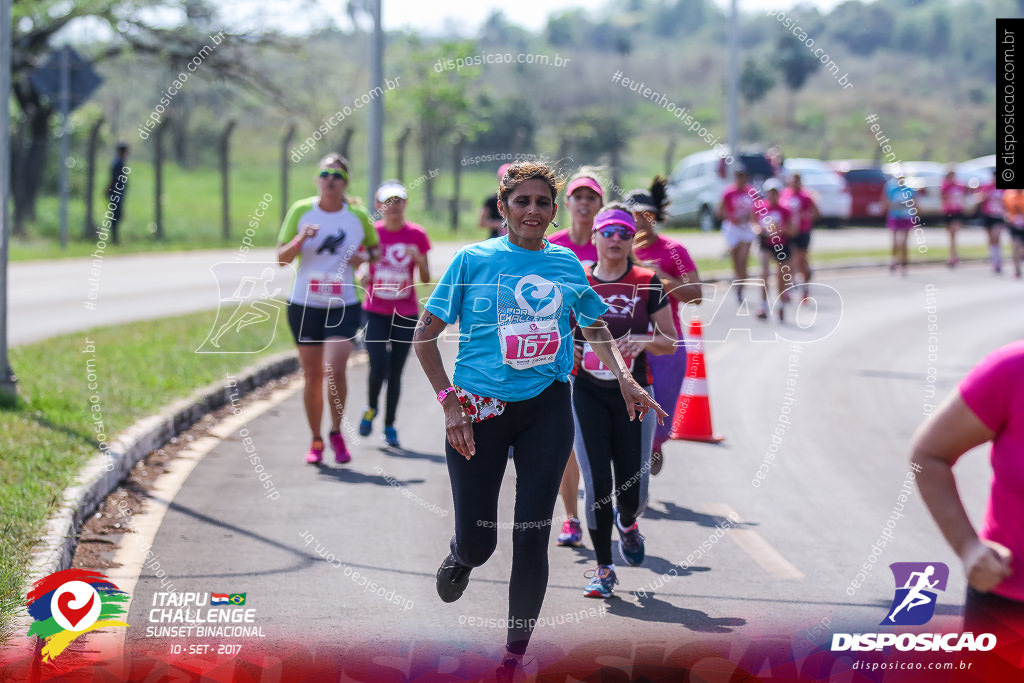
916	586
70	603
913	604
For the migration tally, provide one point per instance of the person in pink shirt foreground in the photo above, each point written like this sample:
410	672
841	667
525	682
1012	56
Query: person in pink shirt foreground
988	406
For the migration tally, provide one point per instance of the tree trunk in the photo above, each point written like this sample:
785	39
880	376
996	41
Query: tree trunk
225	168
457	171
89	230
286	142
29	165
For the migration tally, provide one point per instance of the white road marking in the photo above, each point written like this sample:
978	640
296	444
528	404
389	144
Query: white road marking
770	559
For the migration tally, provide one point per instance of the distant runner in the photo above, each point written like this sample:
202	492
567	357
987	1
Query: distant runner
326	232
736	211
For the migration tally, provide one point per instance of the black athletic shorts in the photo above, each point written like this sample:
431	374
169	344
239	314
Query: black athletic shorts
311	325
801	241
990	222
780	253
1017	233
955	216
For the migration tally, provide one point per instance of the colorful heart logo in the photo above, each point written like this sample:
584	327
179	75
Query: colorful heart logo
74	615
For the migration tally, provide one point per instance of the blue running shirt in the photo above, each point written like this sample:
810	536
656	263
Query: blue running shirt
513	309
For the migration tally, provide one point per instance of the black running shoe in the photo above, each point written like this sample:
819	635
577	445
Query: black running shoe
452	579
509	672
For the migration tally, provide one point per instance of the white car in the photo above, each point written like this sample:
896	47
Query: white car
926	179
974	174
698	181
824	184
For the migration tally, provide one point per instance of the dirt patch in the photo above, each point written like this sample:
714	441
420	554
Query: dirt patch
101	534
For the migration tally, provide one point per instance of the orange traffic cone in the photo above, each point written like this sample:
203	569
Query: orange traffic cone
692	419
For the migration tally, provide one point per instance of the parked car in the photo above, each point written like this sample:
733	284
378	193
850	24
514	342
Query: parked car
698	181
826	186
926	179
974	174
865	180
977	172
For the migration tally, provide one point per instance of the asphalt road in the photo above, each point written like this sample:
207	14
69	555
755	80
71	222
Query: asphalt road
857	390
56	297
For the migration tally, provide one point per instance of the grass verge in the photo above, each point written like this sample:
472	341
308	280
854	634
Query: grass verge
136	369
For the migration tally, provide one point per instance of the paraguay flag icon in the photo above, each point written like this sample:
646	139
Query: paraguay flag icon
917	585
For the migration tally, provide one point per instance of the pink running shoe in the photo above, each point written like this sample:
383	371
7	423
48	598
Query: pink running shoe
341	454
316	452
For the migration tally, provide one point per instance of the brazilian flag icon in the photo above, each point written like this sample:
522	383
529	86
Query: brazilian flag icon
237	598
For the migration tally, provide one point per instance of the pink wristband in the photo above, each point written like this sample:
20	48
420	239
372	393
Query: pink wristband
442	395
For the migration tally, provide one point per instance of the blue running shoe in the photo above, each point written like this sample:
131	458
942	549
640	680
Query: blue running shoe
602	582
631	544
391	437
366	424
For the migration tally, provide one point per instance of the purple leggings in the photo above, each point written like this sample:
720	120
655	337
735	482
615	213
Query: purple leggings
668	371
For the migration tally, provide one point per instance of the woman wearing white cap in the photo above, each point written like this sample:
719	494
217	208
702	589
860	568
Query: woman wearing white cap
391	305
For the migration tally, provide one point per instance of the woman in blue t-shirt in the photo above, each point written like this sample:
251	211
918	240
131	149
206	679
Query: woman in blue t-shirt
512	298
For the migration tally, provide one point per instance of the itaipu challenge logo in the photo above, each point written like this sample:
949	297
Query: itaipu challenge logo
71	603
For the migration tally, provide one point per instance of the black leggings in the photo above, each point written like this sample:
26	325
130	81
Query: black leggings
606	443
388	340
541	431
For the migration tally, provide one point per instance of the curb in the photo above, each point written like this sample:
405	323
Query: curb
725	276
104	471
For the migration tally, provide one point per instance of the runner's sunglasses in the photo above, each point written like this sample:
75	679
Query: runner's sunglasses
334	173
623	232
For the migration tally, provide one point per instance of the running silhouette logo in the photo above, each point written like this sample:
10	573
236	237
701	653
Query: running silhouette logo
248	308
70	603
917	587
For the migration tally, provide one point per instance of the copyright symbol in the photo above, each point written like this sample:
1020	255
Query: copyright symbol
1007	174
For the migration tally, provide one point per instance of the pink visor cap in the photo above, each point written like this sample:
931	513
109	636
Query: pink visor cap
584	182
614	217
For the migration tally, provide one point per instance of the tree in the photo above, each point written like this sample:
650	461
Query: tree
37	22
440	102
794	60
755	81
862	28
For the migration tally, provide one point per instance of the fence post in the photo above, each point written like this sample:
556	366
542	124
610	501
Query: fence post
286	142
158	174
89	230
402	140
457	171
225	149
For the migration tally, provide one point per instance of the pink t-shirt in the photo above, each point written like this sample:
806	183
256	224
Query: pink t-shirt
774	219
953	194
994	391
737	205
992	200
802	204
672	258
587	253
392	277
